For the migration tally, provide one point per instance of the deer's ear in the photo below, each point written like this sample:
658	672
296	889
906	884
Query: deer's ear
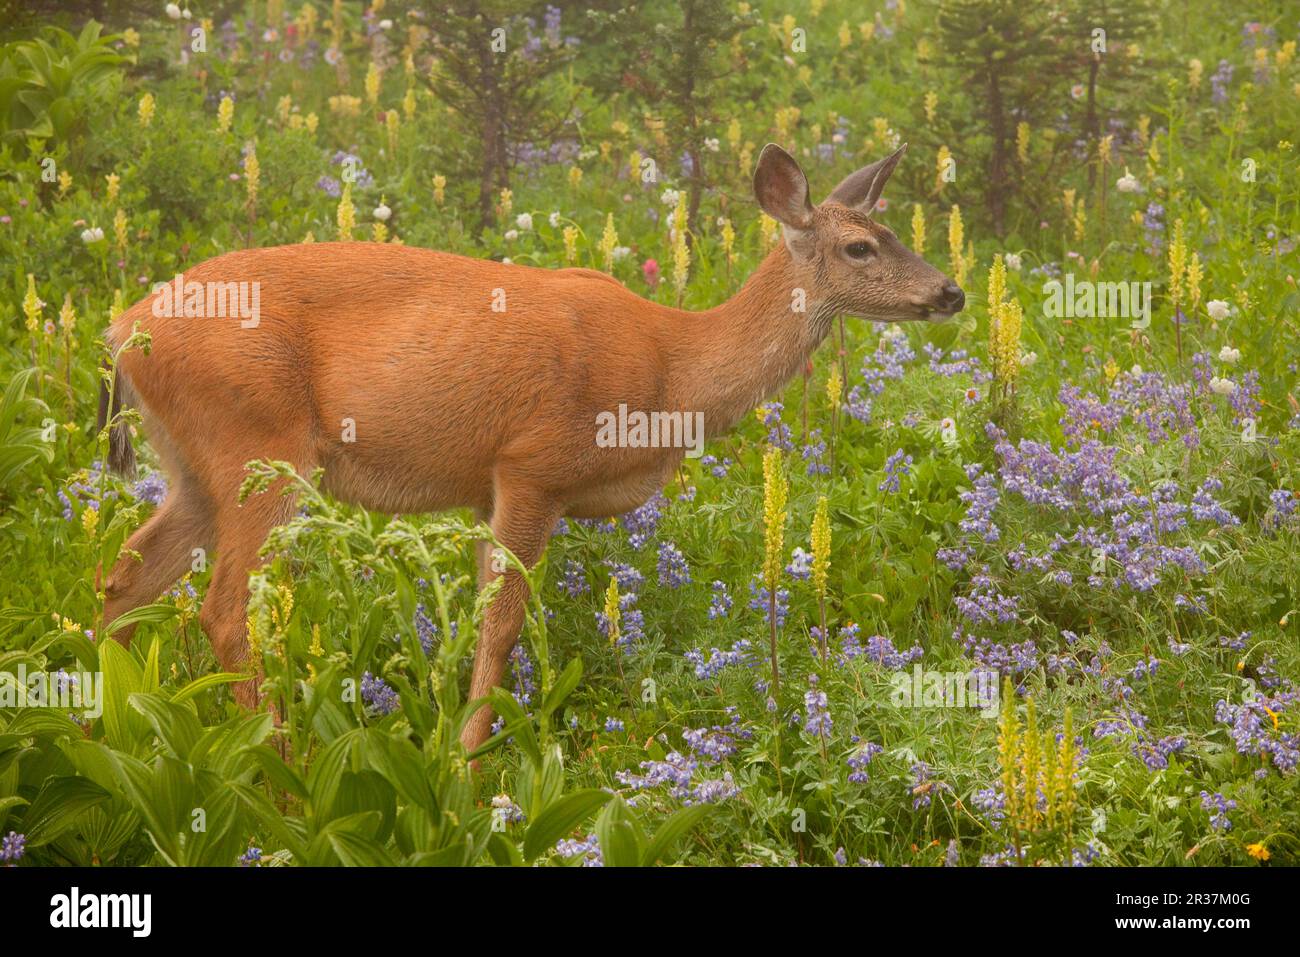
782	189
862	189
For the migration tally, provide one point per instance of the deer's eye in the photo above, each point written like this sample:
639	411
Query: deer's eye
858	250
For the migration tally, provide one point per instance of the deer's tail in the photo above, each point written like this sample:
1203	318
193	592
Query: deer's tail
121	454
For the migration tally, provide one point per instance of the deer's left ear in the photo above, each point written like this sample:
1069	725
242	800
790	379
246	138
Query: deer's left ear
860	190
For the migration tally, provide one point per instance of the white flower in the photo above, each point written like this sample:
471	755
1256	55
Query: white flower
1128	183
669	197
1230	355
1136	370
948	431
1218	309
890	333
385	24
1013	261
382	212
186	13
1222	386
711	144
506	260
512	235
524	221
173	12
554	219
1028	359
92	235
622	252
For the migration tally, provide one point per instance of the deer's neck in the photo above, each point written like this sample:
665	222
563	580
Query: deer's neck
725	361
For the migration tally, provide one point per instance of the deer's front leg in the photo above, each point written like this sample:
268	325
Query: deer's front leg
522	520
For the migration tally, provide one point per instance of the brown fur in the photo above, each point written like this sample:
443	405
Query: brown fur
457	405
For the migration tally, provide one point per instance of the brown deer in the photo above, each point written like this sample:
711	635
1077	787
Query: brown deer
472	383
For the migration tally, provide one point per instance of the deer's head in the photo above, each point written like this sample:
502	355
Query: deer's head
856	265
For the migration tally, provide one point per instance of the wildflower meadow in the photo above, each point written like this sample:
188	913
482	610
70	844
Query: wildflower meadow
1019	588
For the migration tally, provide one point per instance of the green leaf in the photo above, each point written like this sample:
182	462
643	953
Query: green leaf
145	613
560	818
176	726
679	825
564	685
622	843
57	807
200	685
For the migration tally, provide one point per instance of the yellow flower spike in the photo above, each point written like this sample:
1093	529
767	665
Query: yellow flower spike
90	521
146	109
312	121
372	83
834	388
918	229
608	242
776	491
1031	758
1177	264
439	189
114	184
1194	275
347	214
941	163
67	315
613	613
507	202
252	174
820	544
681	251
728	240
391	123
575	176
119	230
931	105
409	103
767	227
956	235
733	134
1022	142
225	114
32	305
570	244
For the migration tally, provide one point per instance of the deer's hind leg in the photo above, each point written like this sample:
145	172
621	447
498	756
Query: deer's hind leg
159	552
522	520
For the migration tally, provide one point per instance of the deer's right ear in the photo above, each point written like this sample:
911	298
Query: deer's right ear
782	189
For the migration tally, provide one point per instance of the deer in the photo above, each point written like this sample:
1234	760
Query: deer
469	383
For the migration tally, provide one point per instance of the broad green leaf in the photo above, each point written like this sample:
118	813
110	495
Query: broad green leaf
560	818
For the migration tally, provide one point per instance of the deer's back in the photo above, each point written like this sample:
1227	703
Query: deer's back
429	359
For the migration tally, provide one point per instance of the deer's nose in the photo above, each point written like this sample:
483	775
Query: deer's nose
951	298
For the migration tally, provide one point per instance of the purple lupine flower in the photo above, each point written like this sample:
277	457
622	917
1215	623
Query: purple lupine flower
720	603
709	668
378	696
897	465
574	583
673	570
818	721
860	758
1218	806
12	847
